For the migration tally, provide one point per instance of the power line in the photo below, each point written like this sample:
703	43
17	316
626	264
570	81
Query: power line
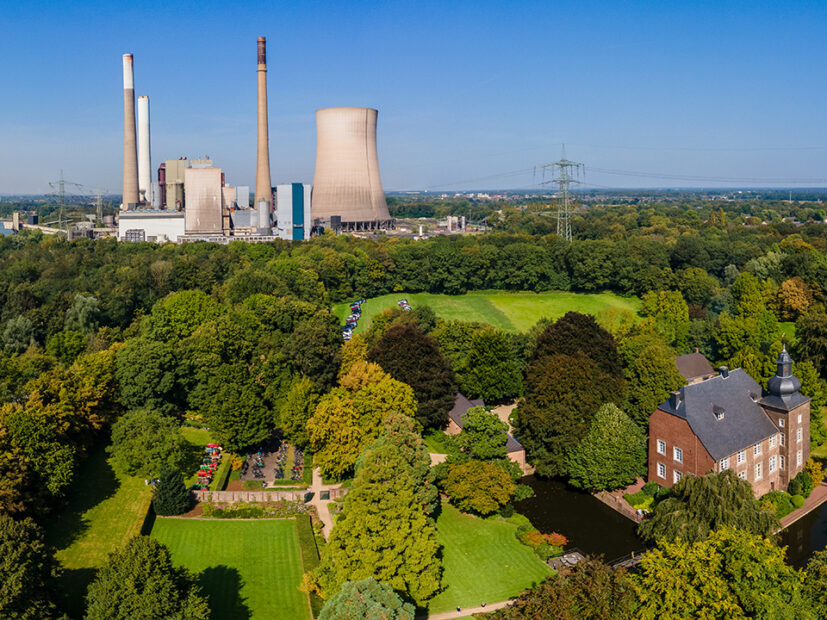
567	172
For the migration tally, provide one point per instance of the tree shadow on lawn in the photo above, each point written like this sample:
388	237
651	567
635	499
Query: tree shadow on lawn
222	586
72	585
95	482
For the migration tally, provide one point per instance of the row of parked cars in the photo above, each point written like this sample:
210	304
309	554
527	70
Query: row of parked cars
353	320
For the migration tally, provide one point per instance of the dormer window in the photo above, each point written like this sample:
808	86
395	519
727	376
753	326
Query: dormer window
780	422
719	412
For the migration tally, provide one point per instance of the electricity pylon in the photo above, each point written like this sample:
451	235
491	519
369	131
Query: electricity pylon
566	172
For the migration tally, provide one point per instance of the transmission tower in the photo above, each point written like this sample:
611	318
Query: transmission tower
564	173
62	194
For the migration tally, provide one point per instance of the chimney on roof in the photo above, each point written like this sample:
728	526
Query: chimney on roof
724	371
697	350
675	399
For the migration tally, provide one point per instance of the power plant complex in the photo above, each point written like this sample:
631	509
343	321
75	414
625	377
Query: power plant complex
191	200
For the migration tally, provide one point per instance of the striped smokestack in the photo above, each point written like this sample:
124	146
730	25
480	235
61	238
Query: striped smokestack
130	146
263	188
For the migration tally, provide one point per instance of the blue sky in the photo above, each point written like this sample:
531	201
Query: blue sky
467	91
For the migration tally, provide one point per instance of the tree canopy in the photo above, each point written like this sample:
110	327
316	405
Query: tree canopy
366	599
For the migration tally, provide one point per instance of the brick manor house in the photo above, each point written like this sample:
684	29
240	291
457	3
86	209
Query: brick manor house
726	421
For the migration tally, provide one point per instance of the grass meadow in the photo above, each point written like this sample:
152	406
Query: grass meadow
514	312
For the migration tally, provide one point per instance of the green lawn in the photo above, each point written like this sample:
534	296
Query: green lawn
508	311
104	510
483	561
248	569
198	438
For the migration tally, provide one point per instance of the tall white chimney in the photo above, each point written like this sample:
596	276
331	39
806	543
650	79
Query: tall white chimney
144	163
130	157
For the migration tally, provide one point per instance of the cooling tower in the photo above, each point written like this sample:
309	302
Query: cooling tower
346	182
263	189
144	165
130	153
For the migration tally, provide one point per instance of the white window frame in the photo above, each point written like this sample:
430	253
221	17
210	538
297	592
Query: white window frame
798	459
661	471
780	422
677	454
676	477
756	449
798	435
772	442
742	474
758	471
725	463
782	440
799	418
661	449
781	462
772	464
742	456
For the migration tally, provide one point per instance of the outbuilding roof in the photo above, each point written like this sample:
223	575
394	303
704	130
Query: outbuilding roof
723	412
693	366
462	404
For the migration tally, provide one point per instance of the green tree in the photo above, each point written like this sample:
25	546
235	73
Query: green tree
179	314
65	346
412	357
26	569
139	582
815	582
478	486
815	387
731	574
563	392
145	441
650	377
315	348
811	329
592	589
367	599
18	334
491	370
612	454
147	375
697	286
700	505
579	333
670	313
297	409
483	435
171	496
336	436
82	315
383	532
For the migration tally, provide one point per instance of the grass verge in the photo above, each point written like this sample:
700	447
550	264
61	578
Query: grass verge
310	555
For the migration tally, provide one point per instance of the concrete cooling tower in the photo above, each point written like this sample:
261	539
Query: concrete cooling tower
346	184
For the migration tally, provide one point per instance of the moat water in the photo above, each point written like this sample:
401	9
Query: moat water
806	536
587	522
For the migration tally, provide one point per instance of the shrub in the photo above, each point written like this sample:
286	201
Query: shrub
639	500
171	496
253	510
778	502
806	483
663	493
794	488
798	501
813	468
523	491
507	511
535	538
558	540
650	488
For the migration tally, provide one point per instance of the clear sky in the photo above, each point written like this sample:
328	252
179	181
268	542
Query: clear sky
467	92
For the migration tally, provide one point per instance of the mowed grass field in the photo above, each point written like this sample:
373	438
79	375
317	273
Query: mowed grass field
248	569
483	561
509	311
104	510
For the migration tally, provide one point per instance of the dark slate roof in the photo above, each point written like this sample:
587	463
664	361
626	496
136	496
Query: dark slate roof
693	365
462	405
744	422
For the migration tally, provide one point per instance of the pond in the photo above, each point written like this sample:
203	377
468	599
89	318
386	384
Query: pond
806	536
587	522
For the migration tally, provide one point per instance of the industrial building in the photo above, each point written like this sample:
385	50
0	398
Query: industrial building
191	200
347	189
293	212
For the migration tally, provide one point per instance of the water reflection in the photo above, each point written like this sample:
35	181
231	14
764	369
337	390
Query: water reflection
806	536
585	521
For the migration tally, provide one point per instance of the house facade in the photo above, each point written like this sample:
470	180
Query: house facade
727	421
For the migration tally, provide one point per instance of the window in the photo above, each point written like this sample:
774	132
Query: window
676	477
661	446
799	418
780	422
742	456
772	442
798	435
742	475
758	471
782	439
772	463
724	463
781	462
661	470
677	454
798	458
756	449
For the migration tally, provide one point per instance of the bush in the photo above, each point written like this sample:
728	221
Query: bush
639	500
650	488
523	491
171	496
507	511
557	540
253	510
663	493
806	483
798	501
219	483
778	502
813	468
794	488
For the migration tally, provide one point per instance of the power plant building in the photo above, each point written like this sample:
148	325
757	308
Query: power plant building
174	183
346	185
293	212
204	205
158	226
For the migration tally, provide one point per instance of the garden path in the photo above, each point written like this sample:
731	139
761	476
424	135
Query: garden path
321	505
466	612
